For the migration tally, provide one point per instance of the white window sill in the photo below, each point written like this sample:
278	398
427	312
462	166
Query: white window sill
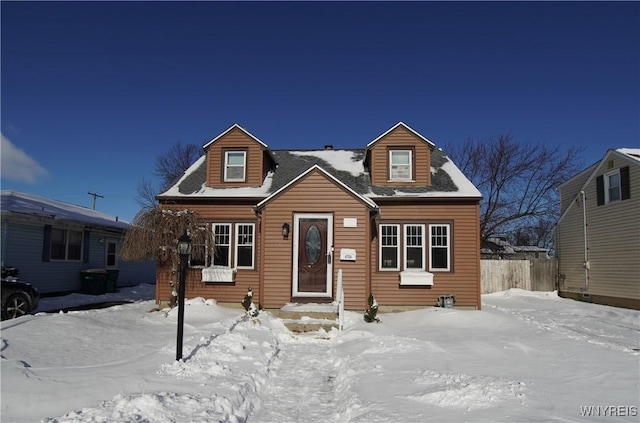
218	274
416	278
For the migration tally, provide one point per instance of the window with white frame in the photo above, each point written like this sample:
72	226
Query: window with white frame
222	244
612	186
400	165
414	247
200	251
440	247
244	245
111	256
389	247
66	244
235	163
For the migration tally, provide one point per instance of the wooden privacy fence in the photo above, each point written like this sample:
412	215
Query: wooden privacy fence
530	275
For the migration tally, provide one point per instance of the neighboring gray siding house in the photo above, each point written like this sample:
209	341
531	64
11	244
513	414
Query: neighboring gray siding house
51	242
598	233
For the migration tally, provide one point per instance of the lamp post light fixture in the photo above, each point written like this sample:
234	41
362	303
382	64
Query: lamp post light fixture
285	230
184	250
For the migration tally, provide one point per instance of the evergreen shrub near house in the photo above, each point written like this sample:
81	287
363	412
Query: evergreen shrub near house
372	311
249	308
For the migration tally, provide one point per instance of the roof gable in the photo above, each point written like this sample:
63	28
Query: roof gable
632	155
405	126
231	128
372	205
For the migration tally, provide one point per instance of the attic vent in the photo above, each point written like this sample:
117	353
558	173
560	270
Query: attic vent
610	164
328	147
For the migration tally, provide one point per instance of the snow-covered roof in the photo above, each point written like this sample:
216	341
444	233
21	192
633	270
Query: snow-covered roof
16	202
632	153
345	165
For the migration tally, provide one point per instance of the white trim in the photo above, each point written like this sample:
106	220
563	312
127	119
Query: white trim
607	186
108	242
410	164
228	245
407	128
397	247
253	245
440	269
235	125
296	235
406	246
244	165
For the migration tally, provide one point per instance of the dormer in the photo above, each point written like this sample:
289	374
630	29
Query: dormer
399	157
236	158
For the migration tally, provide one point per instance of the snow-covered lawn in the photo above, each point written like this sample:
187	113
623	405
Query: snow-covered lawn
524	357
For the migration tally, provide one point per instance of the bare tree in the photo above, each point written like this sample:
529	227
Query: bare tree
154	234
518	181
170	166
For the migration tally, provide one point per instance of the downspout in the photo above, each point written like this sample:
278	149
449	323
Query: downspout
586	264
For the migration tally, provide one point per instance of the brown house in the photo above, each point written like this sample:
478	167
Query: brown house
398	218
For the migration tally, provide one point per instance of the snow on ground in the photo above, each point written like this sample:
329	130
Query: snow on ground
524	357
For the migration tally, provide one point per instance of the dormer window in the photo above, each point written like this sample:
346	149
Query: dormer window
400	162
235	165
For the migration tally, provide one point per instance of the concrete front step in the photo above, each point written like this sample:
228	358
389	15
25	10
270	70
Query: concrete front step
300	326
307	321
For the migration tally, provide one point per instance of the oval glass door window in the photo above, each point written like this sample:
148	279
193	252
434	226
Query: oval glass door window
313	244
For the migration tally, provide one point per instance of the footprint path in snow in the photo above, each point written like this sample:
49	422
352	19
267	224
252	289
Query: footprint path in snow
302	390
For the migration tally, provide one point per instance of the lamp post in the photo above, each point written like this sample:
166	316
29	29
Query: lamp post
183	249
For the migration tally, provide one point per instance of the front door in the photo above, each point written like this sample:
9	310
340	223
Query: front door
313	234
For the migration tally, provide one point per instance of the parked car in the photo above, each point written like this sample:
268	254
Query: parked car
18	297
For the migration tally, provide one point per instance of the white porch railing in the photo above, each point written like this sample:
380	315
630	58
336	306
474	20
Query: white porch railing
340	297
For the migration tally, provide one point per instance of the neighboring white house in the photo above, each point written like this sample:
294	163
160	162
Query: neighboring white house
51	242
598	233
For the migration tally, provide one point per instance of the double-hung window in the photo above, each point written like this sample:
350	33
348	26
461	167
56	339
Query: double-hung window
111	254
400	165
222	241
389	247
235	165
612	186
66	244
245	245
414	247
440	247
200	251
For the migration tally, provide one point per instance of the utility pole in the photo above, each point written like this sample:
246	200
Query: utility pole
94	198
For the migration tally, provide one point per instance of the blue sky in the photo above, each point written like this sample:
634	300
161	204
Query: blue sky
93	92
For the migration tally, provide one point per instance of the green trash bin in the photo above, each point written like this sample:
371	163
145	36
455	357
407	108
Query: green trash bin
93	281
112	280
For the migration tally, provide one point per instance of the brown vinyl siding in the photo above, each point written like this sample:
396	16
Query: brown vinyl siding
235	140
314	194
464	278
399	139
222	291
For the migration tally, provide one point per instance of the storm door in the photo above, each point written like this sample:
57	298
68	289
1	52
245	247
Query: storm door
313	234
